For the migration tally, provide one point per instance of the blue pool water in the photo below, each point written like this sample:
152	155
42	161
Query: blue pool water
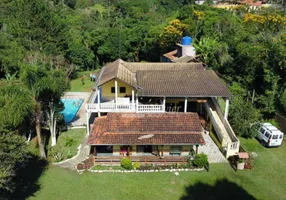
71	108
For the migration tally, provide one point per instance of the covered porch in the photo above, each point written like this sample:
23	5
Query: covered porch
115	160
143	150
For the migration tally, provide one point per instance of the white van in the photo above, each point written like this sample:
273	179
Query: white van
269	135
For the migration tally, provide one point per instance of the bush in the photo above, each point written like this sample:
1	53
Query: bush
69	142
69	154
136	165
126	163
201	160
57	155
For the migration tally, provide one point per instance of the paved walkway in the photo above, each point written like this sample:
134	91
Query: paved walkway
82	154
211	150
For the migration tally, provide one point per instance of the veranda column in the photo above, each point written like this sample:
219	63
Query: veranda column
137	103
98	101
87	122
116	94
132	106
164	104
186	104
197	149
226	108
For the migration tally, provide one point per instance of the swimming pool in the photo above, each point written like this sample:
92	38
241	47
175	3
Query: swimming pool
71	108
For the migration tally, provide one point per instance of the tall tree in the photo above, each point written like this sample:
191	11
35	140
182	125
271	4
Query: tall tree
31	76
53	87
15	105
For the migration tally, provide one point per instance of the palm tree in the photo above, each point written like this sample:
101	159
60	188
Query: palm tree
31	77
212	52
15	105
46	89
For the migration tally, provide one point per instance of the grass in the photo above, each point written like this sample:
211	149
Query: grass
76	135
265	181
82	83
221	103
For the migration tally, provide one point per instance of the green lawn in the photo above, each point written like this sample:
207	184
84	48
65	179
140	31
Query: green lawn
82	83
221	103
266	181
76	135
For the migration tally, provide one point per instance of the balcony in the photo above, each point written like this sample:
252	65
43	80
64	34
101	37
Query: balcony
113	107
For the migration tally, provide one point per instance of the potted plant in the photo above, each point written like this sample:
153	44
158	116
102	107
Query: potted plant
240	164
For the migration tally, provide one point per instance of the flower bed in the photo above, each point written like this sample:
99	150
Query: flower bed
138	171
86	164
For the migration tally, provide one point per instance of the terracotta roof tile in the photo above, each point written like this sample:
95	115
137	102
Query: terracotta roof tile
159	128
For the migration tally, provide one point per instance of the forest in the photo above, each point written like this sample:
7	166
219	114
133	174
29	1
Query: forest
44	44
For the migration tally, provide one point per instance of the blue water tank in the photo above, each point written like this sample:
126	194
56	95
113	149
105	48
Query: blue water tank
187	40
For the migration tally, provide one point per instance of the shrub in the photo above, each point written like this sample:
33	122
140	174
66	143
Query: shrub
69	142
136	165
69	154
126	163
201	160
57	155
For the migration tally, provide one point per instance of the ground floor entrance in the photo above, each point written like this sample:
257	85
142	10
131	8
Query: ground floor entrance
104	150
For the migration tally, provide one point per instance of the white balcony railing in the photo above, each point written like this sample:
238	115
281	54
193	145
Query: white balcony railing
150	108
112	107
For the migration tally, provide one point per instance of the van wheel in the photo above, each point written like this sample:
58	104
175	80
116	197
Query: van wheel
262	143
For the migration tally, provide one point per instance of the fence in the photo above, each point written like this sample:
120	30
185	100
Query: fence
282	122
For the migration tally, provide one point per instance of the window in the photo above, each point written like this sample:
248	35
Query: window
122	89
275	137
280	136
262	130
112	89
267	134
175	150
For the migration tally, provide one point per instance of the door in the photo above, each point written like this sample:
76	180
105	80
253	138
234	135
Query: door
104	150
144	149
276	139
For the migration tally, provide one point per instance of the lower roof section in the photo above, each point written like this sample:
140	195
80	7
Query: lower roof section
147	129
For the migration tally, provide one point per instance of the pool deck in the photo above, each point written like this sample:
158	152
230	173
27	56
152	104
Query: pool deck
80	118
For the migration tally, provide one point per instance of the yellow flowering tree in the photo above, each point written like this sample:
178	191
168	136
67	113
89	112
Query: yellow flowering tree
172	33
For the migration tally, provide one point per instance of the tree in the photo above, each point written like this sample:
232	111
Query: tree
283	101
13	155
53	87
241	115
46	88
172	34
212	52
15	105
31	77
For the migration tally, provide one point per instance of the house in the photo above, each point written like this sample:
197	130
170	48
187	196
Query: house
144	107
138	134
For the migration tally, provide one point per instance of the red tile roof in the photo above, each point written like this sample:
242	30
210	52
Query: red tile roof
156	128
